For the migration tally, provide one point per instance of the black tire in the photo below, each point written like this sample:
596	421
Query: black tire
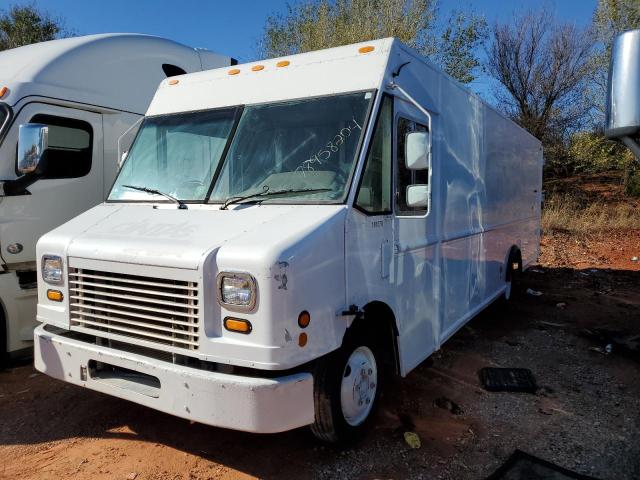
513	277
330	424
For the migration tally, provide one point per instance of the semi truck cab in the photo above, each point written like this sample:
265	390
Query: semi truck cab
81	94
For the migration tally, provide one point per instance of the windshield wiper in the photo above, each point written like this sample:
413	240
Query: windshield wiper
266	193
153	191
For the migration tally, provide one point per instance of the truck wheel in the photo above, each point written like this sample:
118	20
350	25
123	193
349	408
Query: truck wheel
347	385
513	277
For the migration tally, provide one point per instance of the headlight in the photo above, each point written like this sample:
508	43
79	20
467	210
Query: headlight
237	290
52	269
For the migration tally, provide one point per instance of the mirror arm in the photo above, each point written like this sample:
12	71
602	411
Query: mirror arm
394	86
632	145
14	188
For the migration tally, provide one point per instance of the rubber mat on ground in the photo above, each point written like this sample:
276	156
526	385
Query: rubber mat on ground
507	379
522	466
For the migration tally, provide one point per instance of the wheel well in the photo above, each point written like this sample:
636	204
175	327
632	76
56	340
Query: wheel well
379	320
514	256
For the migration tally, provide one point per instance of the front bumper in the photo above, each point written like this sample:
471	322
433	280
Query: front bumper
260	405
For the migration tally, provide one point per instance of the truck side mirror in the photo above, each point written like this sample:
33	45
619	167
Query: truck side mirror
417	150
418	196
33	142
623	91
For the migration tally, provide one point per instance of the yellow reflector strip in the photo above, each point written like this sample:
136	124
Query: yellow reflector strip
283	63
234	71
3	91
366	49
173	82
55	295
257	68
237	325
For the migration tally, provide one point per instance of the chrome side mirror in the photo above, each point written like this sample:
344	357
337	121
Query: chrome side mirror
33	141
417	150
418	196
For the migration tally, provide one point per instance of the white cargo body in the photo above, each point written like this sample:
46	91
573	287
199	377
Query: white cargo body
87	91
341	211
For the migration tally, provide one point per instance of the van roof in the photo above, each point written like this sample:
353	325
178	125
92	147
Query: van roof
350	68
114	70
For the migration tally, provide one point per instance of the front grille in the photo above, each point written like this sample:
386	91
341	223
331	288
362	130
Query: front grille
156	310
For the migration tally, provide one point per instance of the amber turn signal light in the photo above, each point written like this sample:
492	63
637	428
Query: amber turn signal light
304	319
3	91
366	49
283	63
55	295
302	339
237	325
234	71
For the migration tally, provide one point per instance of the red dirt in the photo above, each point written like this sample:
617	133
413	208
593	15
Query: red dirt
586	417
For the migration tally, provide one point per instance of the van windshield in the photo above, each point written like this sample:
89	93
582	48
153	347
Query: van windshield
306	148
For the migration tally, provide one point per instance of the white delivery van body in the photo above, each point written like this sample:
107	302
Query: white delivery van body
88	91
332	212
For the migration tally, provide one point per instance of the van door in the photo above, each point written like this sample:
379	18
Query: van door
72	184
416	275
369	225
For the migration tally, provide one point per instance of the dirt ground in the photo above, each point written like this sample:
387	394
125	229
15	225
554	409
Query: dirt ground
585	416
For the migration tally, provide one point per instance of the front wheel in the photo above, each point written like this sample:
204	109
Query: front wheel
513	282
347	386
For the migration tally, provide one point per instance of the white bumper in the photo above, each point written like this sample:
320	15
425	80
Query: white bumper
251	404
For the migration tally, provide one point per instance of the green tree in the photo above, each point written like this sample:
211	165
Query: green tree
23	25
316	24
542	69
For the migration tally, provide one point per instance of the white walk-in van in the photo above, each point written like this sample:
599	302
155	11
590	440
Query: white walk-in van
281	232
81	95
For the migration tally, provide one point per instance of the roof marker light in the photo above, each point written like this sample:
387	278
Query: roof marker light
234	71
366	49
174	82
257	68
283	63
3	91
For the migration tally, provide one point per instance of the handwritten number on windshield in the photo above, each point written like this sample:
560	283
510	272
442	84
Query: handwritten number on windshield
332	147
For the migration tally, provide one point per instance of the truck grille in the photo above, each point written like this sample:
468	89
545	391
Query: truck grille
156	310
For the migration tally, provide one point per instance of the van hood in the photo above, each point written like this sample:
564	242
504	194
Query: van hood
175	238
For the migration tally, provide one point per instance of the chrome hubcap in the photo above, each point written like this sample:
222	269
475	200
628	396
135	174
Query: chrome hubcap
359	385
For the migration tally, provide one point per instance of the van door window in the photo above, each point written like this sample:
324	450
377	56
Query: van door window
70	146
408	177
374	193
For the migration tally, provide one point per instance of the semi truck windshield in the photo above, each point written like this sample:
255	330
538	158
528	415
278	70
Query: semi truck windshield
306	146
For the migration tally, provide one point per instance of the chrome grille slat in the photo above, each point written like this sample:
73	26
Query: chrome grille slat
158	310
130	289
134	331
131	298
137	282
122	313
139	307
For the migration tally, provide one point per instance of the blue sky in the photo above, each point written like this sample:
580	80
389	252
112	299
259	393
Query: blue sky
234	27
